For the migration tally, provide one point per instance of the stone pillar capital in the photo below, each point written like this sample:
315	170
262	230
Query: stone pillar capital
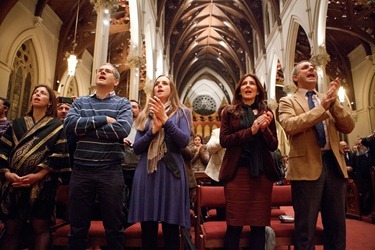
272	104
109	4
290	88
136	61
320	59
148	88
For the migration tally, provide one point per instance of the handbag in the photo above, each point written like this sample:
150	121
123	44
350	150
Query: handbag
274	168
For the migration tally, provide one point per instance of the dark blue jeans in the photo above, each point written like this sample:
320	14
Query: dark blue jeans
107	185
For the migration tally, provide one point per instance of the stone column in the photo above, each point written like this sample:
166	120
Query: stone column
103	8
5	71
272	104
135	63
320	61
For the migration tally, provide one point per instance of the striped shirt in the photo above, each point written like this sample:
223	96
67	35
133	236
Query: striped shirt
99	143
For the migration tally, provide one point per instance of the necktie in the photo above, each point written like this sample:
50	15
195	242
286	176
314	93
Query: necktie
318	127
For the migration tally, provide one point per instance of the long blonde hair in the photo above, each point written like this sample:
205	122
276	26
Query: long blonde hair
174	100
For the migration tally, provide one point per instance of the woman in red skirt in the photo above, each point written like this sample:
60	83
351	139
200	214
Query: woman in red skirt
248	131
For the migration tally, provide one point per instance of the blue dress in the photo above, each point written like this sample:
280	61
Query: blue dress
160	196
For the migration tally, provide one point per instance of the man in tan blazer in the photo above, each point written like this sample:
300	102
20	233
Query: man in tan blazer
317	172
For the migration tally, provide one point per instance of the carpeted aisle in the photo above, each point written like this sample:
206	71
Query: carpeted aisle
360	235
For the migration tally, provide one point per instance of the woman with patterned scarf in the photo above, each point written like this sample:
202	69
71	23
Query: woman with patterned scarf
31	149
160	191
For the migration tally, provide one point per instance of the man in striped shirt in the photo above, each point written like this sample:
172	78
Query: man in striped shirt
99	122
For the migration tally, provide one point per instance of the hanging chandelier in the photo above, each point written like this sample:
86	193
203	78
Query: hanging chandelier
72	59
341	93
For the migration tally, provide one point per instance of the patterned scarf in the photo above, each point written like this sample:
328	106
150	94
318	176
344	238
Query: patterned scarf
157	147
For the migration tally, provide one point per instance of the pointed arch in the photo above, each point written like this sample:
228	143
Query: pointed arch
22	79
290	47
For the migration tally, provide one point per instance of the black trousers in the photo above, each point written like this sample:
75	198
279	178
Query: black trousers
105	184
171	235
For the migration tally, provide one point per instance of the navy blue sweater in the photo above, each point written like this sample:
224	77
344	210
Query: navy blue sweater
98	143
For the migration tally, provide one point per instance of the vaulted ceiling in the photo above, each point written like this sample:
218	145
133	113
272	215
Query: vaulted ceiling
216	35
212	34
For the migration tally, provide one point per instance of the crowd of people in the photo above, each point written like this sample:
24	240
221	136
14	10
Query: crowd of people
137	164
360	163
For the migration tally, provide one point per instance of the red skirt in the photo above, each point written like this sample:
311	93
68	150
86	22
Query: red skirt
248	199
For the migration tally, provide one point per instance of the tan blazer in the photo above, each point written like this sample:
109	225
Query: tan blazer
305	161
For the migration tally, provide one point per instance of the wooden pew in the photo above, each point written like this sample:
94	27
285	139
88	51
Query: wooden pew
210	234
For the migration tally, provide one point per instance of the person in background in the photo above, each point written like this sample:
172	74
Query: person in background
160	190
188	154
201	155
248	132
354	149
348	158
317	169
98	122
286	164
63	106
130	159
362	177
4	122
369	142
216	151
31	151
216	157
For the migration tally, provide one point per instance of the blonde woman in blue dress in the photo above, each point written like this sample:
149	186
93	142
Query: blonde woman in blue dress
160	190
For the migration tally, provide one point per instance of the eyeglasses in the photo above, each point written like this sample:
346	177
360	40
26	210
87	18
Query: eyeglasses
107	71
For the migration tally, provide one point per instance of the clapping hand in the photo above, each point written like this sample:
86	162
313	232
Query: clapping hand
160	116
264	120
157	125
332	94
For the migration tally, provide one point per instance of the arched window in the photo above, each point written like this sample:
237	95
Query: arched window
21	79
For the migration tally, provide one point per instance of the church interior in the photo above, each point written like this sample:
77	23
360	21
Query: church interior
204	45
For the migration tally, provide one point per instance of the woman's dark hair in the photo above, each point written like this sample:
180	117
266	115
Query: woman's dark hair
259	99
51	109
219	111
199	137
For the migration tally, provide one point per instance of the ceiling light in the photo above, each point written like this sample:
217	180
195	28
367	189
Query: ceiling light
72	59
341	94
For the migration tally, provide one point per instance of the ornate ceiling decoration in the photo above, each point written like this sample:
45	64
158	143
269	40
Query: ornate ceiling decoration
213	34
